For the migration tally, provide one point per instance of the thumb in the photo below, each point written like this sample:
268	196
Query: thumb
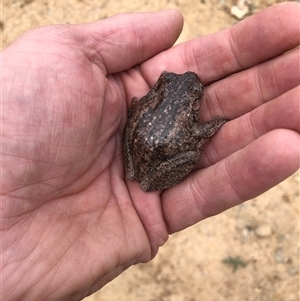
125	40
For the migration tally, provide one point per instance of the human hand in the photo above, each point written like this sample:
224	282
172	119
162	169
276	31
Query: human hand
70	222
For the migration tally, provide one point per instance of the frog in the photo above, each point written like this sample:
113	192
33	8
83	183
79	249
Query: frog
163	136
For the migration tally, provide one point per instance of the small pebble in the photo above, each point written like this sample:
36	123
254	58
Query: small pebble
293	271
263	231
279	256
240	10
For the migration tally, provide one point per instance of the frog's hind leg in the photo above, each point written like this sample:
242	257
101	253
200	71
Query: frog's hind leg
170	172
127	156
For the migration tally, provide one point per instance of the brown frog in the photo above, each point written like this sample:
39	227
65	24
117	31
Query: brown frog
163	135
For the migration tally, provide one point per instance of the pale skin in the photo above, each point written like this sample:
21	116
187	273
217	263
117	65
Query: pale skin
70	221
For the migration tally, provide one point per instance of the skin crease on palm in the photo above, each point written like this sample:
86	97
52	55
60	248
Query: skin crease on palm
70	222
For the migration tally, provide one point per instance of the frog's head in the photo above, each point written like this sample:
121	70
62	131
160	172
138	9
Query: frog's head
193	88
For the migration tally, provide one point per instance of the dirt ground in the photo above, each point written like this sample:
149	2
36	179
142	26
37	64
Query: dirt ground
260	238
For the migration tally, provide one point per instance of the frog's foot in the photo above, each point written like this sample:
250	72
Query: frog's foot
170	172
209	128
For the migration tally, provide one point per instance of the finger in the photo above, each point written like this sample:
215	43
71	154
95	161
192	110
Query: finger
242	176
125	40
280	113
250	42
236	95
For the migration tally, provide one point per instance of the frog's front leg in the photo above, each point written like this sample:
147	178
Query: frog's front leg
207	129
169	172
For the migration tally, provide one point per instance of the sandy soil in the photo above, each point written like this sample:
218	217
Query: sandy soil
260	237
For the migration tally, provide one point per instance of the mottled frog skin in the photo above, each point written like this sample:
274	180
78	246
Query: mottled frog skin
163	135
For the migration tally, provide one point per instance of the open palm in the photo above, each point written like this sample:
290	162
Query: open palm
70	220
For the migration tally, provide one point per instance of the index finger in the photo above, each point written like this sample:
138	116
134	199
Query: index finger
258	38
